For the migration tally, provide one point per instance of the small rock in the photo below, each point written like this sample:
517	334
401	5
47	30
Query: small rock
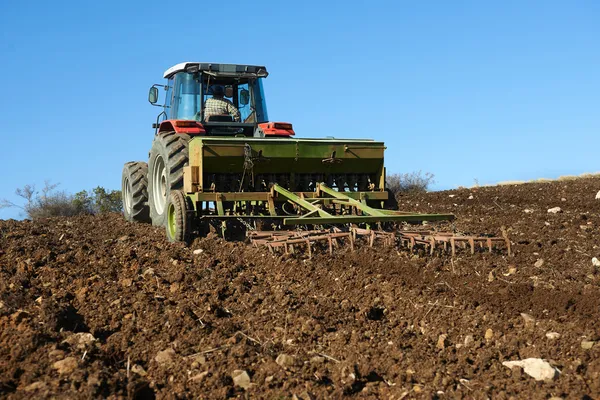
56	354
554	210
527	211
491	276
348	376
149	271
65	366
199	377
241	379
165	356
537	368
35	386
442	342
489	334
595	262
126	282
285	360
269	379
81	340
529	320
198	251
587	344
470	197
468	340
539	263
552	335
123	238
563	199
511	270
138	369
598	195
198	360
317	360
451	195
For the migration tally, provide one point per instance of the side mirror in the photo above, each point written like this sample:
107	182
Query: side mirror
244	97
153	95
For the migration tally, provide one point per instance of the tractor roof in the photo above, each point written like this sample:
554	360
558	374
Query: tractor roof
218	69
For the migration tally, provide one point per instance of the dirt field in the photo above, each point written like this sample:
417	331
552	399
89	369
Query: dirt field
96	307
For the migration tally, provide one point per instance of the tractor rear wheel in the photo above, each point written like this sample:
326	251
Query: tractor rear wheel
180	217
134	192
168	156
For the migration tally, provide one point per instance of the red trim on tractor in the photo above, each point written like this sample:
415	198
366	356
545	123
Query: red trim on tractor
277	129
182	126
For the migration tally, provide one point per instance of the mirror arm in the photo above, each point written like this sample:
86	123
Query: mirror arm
165	87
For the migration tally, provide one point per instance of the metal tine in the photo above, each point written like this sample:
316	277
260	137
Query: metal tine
430	240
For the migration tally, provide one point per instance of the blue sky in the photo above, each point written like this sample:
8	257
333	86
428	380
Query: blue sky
466	90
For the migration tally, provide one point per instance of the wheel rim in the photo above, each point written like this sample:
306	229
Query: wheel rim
127	196
171	225
159	184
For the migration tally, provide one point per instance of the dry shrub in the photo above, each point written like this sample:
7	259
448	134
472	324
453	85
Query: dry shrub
411	182
52	203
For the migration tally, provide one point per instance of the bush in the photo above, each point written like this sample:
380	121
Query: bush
98	201
412	182
52	203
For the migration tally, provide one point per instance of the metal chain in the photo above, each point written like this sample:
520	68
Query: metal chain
248	163
246	224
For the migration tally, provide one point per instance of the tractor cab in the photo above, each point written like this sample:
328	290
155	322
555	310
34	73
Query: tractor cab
216	100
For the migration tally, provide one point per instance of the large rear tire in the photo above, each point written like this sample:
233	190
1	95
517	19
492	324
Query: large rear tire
168	156
134	192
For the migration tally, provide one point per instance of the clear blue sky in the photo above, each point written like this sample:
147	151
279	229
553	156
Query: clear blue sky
493	91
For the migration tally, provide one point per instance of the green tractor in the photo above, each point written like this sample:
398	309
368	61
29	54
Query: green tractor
218	160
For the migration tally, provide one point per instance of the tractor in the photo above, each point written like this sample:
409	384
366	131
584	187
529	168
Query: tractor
217	160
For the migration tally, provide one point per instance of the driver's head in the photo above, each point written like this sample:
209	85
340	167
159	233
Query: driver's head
218	91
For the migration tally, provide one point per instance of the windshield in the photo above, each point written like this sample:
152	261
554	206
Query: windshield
186	97
219	99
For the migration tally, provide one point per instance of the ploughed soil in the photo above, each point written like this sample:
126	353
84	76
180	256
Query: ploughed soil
97	307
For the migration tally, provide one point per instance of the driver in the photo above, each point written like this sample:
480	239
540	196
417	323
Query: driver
218	105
